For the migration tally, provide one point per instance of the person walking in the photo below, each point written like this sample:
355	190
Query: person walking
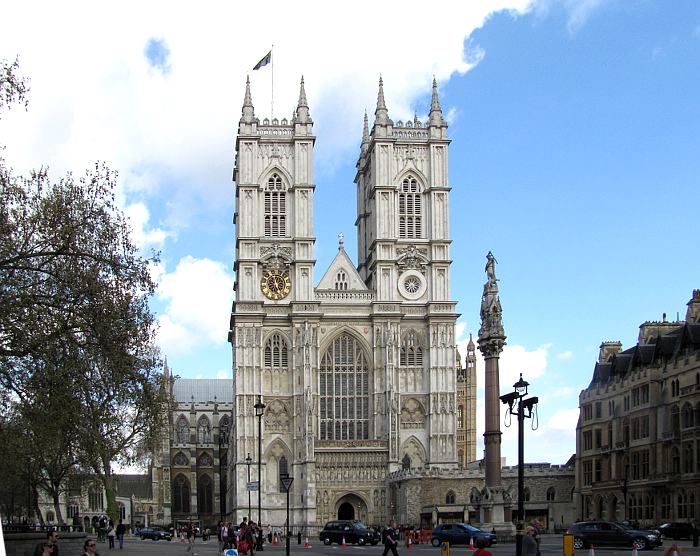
190	537
390	540
111	534
529	542
121	531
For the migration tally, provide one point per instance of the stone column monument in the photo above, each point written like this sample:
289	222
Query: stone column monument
493	501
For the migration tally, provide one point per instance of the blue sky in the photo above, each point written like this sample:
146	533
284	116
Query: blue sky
575	155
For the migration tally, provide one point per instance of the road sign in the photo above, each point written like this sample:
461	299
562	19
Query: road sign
253	485
287	482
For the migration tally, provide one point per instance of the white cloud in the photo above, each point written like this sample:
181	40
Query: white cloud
198	297
142	236
565	355
223	374
96	96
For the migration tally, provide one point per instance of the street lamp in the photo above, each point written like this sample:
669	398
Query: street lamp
624	495
259	411
524	405
287	483
248	461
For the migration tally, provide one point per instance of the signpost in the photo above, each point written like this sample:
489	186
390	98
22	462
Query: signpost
287	483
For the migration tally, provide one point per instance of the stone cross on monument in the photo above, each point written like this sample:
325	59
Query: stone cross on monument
494	500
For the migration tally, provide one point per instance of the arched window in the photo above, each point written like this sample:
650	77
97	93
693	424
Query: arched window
411	354
460	417
275	207
204	495
551	494
409	209
182	431
675	460
205	460
96	499
406	462
344	392
675	419
526	495
688	463
688	416
450	497
203	430
49	516
181	460
341	280
122	511
276	352
282	471
181	495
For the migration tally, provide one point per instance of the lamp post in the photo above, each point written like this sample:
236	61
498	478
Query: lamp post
287	483
259	411
624	495
248	461
524	405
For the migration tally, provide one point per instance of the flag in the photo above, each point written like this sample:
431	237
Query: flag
265	60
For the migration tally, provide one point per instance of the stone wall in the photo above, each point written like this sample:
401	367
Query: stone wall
24	544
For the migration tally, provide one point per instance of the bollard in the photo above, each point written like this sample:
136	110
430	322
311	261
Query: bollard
299	537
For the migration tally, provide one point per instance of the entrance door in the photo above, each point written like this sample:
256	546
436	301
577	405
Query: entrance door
346	511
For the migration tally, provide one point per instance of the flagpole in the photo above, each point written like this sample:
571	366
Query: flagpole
272	95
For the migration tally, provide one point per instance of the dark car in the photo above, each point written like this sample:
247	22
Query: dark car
677	530
155	534
608	533
460	533
353	532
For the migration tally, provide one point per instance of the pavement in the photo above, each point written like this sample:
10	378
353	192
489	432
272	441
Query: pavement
551	545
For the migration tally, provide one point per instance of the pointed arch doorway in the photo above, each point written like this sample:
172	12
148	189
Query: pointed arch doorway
351	506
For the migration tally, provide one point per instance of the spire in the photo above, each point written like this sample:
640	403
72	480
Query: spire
248	112
166	370
365	130
302	113
436	118
381	115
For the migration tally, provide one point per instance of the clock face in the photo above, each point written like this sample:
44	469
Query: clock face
275	285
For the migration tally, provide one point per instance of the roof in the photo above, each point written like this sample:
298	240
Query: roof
203	389
342	262
138	486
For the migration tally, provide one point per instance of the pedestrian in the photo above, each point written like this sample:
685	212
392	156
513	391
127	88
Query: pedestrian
390	540
111	534
46	549
89	548
481	548
121	531
190	537
529	543
52	539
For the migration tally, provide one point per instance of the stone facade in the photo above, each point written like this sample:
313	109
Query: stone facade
188	474
426	497
466	407
357	373
638	438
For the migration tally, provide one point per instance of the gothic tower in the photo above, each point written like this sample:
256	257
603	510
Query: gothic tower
466	406
274	270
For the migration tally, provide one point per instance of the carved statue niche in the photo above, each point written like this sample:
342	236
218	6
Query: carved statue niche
277	417
412	414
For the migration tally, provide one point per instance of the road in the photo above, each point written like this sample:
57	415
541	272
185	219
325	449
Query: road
551	546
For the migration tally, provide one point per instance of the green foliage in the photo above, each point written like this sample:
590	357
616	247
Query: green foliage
13	88
79	368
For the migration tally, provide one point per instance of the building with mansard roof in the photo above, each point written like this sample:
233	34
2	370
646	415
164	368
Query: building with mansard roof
638	439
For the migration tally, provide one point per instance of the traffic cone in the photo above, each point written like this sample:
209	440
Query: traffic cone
182	537
634	551
471	544
408	543
591	551
306	542
343	545
275	540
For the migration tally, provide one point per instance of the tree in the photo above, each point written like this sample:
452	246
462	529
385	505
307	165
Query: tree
76	330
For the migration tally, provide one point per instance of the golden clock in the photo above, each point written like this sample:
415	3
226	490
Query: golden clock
275	284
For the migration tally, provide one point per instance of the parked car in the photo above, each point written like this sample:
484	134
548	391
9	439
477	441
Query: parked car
608	533
677	530
155	534
353	532
460	533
